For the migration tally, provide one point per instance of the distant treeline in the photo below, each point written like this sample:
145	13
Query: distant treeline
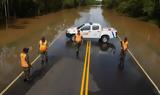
29	8
144	9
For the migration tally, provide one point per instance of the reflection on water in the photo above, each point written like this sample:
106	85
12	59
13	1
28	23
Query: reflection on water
7	53
7	65
12	42
107	47
92	15
143	39
70	43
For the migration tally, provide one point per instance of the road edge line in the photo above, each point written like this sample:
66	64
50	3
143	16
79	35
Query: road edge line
15	79
146	74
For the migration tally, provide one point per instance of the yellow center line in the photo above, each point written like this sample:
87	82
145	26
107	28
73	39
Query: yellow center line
84	70
88	68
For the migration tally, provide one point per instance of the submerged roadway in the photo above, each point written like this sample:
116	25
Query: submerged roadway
95	72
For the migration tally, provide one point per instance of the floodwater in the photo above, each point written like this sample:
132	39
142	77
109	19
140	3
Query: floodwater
27	33
143	38
144	41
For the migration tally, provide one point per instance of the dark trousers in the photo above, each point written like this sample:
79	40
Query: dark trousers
78	44
122	58
123	54
26	72
44	57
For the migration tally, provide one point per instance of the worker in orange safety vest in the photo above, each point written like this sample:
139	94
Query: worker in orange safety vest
43	47
124	47
78	40
24	60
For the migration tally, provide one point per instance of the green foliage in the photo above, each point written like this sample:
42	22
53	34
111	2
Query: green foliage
131	7
1	13
70	3
110	3
25	8
149	9
90	2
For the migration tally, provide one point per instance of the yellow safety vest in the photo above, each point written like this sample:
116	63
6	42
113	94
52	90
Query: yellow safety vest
23	57
78	38
124	45
43	46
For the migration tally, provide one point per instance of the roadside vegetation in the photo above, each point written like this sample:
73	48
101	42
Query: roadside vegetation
13	9
148	10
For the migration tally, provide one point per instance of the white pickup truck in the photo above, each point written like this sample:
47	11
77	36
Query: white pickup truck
93	30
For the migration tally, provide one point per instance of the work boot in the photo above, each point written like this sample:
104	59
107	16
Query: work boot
24	79
28	79
42	62
121	66
77	54
46	60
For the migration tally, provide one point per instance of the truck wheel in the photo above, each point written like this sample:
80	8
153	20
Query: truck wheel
105	39
100	40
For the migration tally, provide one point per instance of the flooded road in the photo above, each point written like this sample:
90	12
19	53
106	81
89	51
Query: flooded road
142	41
143	38
26	33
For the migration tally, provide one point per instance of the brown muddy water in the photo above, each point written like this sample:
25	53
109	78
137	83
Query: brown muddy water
143	38
144	41
27	33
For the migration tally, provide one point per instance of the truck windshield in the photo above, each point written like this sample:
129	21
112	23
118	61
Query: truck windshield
80	26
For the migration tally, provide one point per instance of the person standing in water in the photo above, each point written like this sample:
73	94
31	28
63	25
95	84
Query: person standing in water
43	47
24	60
78	40
124	47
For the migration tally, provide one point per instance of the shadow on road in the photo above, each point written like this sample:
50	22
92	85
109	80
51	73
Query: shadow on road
107	46
37	73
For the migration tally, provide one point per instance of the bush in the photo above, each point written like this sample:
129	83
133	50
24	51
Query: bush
70	3
131	7
25	8
110	3
147	9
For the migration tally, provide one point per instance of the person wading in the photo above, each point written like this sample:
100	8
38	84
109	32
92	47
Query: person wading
43	47
24	58
78	40
124	47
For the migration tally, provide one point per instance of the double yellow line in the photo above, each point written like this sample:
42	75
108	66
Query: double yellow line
85	75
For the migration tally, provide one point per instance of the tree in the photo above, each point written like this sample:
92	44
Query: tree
148	7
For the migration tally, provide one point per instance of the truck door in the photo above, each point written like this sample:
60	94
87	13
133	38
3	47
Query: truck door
95	31
86	31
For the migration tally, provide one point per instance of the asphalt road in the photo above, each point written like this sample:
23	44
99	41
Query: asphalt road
95	72
63	75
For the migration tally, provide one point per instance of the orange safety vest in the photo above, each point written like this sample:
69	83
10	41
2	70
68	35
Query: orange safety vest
23	57
43	46
124	45
78	38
